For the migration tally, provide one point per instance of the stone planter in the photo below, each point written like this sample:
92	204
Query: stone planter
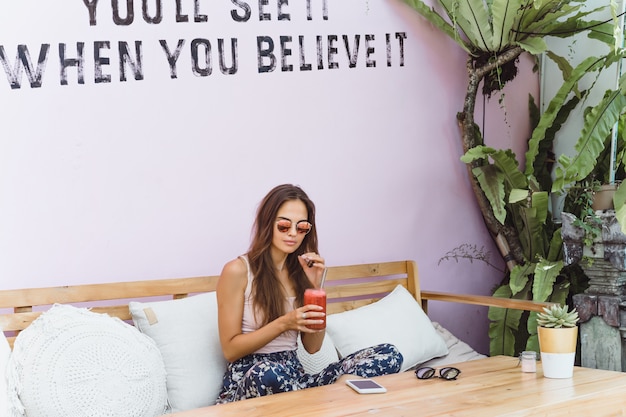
605	259
602	307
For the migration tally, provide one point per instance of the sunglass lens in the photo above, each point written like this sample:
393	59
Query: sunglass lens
424	373
304	227
283	225
449	373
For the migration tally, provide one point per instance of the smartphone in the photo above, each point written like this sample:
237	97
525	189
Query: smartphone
366	386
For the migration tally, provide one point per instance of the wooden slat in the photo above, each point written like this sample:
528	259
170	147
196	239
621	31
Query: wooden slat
342	306
17	321
119	311
363	288
20	321
485	300
11	340
413	282
110	291
367	270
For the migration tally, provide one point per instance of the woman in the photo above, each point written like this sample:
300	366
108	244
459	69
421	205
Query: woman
261	312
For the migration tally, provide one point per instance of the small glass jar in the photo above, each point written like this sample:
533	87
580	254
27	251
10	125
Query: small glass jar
528	359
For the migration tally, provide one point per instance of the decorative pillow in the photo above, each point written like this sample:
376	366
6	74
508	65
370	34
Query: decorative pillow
397	319
318	361
74	362
5	351
459	351
186	332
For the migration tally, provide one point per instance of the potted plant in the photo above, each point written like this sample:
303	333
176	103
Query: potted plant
558	334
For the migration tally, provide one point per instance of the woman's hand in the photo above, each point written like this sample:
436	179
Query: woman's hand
305	316
313	266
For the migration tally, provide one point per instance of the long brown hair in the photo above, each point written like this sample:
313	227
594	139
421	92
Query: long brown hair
267	293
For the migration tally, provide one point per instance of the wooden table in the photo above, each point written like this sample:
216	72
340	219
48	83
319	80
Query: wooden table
487	387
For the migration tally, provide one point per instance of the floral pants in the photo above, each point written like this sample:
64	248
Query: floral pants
264	374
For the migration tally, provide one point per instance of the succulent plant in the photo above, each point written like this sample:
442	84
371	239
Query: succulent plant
557	316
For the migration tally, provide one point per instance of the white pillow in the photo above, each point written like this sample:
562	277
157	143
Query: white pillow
318	361
397	319
5	351
74	362
186	332
458	351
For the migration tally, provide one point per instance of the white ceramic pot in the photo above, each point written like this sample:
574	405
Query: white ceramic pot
558	365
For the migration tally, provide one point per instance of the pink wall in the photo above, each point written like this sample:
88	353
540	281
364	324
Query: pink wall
160	177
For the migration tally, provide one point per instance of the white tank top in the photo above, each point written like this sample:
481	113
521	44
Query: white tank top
286	340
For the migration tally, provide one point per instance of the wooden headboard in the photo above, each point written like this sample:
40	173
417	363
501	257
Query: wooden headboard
347	287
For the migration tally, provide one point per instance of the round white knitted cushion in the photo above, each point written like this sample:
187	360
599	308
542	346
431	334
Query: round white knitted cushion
318	361
71	362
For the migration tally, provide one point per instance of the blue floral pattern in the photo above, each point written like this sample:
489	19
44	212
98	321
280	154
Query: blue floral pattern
269	373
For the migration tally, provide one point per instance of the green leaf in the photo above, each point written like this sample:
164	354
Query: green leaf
504	18
531	232
534	45
492	185
555	253
496	179
599	121
503	326
519	277
529	217
618	33
478	22
516	195
562	63
560	293
533	340
549	116
546	273
540	201
508	166
552	111
479	28
438	21
562	21
539	148
619	202
476	153
603	32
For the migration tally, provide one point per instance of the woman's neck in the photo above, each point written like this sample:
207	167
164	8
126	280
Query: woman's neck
280	262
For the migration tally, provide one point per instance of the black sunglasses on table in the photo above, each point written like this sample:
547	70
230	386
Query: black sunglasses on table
448	373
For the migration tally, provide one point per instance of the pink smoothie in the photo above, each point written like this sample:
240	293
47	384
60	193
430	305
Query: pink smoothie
317	297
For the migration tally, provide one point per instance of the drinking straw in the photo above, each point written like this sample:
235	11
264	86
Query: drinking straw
323	277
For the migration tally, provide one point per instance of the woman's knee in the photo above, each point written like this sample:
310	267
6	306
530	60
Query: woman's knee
270	379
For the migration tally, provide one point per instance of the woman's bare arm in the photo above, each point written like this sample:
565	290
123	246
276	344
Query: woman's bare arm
231	288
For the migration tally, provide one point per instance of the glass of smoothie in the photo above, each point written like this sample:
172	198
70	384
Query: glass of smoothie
316	296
